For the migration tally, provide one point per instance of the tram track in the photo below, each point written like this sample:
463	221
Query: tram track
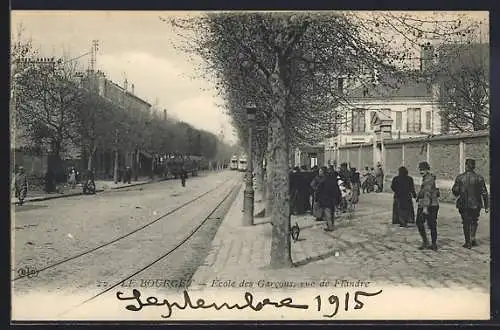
124	236
227	198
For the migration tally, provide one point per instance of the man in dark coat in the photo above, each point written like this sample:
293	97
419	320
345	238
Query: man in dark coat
327	195
21	185
404	190
379	177
428	206
472	194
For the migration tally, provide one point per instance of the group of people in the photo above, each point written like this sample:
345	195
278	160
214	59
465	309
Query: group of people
372	179
469	188
323	191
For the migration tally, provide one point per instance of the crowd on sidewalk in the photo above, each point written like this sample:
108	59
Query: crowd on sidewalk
327	192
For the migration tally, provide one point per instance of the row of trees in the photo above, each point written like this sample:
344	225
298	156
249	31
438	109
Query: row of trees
57	108
289	65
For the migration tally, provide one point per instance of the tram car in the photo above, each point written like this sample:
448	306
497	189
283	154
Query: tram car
242	163
234	163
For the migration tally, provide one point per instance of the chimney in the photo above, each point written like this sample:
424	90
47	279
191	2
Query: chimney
426	57
164	114
133	88
125	84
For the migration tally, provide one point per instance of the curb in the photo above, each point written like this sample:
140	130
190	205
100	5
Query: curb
44	198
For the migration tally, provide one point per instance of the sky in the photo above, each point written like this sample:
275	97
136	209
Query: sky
137	46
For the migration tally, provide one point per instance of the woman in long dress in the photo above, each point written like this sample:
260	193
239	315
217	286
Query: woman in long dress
355	186
404	192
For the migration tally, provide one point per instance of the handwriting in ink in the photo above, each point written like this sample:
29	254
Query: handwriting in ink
333	300
200	303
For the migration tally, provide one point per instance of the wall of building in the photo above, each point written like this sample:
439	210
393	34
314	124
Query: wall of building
445	154
346	136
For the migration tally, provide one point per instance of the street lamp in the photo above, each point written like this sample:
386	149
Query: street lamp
248	202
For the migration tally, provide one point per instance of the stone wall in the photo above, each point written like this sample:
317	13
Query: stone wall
445	154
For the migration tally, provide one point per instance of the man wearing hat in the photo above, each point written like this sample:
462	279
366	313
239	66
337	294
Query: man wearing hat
472	194
428	206
21	184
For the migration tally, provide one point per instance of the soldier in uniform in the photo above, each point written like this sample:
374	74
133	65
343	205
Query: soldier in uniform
428	206
472	194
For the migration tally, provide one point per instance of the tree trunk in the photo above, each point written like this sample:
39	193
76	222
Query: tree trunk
115	167
92	151
136	165
269	174
280	218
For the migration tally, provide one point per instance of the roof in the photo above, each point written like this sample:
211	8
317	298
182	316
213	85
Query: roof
392	87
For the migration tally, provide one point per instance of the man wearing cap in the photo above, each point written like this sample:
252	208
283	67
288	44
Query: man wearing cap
21	185
428	206
472	194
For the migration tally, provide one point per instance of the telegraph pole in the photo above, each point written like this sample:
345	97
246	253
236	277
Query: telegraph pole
93	55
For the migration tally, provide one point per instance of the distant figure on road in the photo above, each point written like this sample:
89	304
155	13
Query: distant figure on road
184	176
127	177
72	178
21	185
428	206
404	192
379	177
472	194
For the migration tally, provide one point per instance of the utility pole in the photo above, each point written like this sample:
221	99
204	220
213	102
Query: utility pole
93	55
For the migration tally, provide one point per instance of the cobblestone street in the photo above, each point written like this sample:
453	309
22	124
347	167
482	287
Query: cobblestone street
367	247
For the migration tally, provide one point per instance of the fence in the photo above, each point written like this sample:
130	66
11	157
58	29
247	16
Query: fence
445	154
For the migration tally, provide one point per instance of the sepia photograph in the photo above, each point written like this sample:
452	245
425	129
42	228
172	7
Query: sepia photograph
249	165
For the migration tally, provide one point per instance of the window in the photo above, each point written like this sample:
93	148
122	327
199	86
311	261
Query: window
386	112
399	120
414	120
428	120
372	115
358	120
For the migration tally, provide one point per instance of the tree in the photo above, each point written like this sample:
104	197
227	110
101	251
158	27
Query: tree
47	98
462	74
288	64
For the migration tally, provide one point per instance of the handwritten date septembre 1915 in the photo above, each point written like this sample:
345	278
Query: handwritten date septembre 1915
328	305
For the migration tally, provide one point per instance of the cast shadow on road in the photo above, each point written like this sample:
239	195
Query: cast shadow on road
27	207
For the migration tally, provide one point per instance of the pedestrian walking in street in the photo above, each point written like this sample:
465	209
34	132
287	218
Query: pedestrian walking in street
404	191
21	185
428	206
470	188
345	175
327	195
305	190
355	186
128	175
379	177
184	176
72	178
315	183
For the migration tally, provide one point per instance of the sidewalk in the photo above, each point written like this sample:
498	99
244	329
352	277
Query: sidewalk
66	191
367	247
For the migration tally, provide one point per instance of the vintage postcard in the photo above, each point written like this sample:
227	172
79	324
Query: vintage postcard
248	166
